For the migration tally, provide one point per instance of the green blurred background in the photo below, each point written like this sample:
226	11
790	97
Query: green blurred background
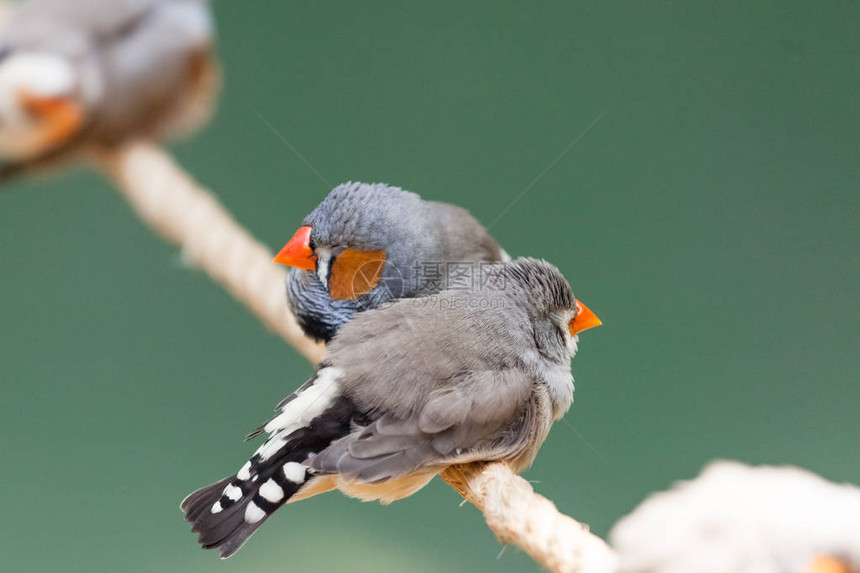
710	218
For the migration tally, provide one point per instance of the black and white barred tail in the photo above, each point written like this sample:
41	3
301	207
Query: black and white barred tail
225	514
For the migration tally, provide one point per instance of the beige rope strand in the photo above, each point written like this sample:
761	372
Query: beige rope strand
184	213
519	516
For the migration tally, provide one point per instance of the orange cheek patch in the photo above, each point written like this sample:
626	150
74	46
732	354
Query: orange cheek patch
355	273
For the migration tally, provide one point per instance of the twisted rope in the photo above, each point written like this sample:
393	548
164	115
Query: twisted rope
182	212
519	516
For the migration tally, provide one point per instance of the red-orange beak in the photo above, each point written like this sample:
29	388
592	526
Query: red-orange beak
298	253
826	564
583	320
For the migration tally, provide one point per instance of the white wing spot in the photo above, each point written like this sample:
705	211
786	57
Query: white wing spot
253	514
217	507
295	472
270	491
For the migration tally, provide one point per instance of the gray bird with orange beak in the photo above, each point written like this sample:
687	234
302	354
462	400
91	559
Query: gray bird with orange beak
368	245
90	73
406	391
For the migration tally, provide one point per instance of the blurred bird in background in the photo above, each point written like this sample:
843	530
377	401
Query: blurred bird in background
75	76
368	245
406	391
739	519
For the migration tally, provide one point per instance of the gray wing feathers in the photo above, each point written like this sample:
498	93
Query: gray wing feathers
443	410
472	242
450	384
484	398
370	445
396	363
472	416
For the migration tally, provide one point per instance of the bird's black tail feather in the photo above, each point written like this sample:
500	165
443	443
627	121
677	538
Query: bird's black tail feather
226	513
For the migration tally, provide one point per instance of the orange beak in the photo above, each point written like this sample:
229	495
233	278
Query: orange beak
828	565
583	320
298	253
59	118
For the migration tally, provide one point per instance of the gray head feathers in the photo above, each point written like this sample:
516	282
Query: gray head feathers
541	283
420	239
366	217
